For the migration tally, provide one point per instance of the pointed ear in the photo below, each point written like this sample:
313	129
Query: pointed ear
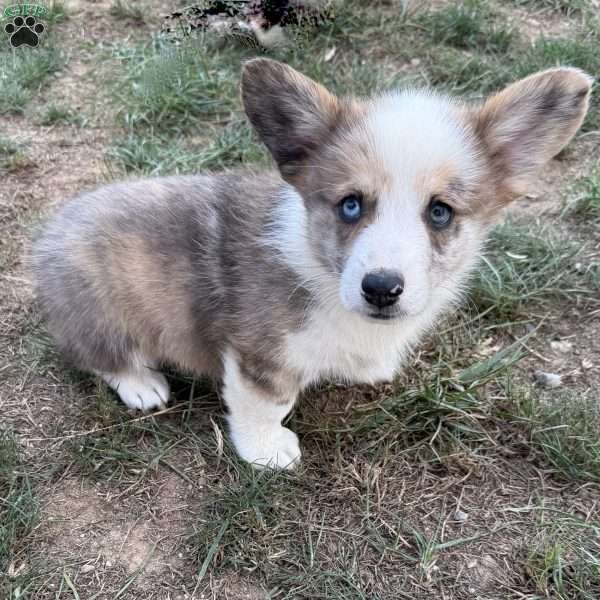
529	122
292	114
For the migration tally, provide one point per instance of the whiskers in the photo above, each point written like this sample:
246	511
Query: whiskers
323	288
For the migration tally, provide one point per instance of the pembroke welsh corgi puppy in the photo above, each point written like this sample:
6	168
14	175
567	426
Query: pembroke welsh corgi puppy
332	268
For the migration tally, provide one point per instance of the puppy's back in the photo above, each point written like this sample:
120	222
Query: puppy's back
135	269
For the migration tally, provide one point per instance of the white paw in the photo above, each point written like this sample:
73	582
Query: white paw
276	447
143	390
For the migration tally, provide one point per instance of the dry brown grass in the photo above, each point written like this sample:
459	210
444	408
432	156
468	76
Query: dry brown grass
461	480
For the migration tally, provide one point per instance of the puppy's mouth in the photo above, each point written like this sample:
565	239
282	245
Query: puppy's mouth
385	315
382	316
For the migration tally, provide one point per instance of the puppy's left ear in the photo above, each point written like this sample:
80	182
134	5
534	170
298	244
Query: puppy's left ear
529	122
292	114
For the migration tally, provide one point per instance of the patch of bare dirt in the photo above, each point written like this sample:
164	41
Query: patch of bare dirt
115	535
61	161
535	22
547	191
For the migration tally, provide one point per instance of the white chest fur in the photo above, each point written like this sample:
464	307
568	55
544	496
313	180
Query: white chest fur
340	345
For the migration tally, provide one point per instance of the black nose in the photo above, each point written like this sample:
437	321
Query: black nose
382	288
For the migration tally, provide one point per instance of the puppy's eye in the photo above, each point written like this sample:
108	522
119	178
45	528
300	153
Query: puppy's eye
350	209
440	214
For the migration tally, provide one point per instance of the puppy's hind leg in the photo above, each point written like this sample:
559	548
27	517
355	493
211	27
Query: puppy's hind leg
255	421
140	385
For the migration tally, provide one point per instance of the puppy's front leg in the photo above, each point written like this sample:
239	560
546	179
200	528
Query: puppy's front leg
255	415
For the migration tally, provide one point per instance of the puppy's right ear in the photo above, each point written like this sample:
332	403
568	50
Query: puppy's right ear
292	114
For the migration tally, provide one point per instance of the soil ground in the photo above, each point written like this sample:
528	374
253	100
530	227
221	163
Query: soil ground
132	506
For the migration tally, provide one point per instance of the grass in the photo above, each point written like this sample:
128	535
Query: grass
461	67
57	12
465	74
529	265
55	114
127	10
585	205
468	25
364	77
126	450
123	453
18	503
234	145
165	87
23	74
566	429
246	505
12	155
562	559
265	524
431	417
303	536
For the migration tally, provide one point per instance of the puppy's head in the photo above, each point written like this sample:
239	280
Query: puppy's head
400	190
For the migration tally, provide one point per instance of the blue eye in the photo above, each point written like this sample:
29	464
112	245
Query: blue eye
350	209
440	214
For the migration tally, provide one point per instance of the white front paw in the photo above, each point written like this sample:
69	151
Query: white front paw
144	390
276	447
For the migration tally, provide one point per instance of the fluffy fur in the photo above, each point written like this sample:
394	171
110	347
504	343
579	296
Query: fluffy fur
255	279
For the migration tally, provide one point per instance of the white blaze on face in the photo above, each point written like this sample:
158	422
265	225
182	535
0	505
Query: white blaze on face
395	241
415	137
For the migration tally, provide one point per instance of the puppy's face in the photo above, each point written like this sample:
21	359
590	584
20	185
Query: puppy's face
400	190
